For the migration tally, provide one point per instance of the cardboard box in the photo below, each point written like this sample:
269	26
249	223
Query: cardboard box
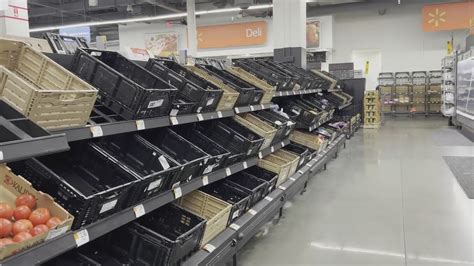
12	186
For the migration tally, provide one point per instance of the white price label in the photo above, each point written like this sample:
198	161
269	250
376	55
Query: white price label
199	109
154	184
1	155
300	171
310	165
260	155
282	144
252	108
234	226
139	210
227	171
235	214
236	109
81	237
205	180
219	114
209	248
282	187
164	163
174	112
174	121
268	198
292	179
272	149
252	211
210	101
200	118
245	165
56	232
96	131
177	193
140	124
154	104
287	93
262	106
208	169
108	206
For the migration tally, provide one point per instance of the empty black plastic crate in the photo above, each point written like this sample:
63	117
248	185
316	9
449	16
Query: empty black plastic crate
299	150
299	113
86	181
231	194
218	154
125	87
248	94
264	73
192	159
255	187
269	177
157	170
166	236
269	115
206	95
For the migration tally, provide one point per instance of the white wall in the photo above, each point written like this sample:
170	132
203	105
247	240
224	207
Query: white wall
398	34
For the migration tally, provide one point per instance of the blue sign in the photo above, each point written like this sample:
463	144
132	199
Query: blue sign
84	32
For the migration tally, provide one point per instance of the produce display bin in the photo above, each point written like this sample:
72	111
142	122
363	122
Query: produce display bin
280	82
231	194
289	157
269	90
255	187
191	86
269	177
280	122
257	126
156	170
277	165
307	139
300	150
42	90
301	114
86	181
192	159
218	154
166	236
126	88
214	210
11	187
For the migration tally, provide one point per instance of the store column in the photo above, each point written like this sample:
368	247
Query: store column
289	30
192	36
14	18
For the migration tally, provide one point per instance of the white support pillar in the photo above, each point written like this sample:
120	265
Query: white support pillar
192	35
289	22
14	18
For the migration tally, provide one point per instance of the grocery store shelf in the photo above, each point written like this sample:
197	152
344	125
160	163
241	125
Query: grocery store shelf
291	93
107	129
225	246
52	248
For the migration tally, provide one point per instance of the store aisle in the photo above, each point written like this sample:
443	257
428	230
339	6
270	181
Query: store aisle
389	199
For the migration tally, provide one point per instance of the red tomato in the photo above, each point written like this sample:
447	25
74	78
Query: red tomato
5	241
26	199
22	212
22	225
5	227
53	222
22	236
6	210
40	216
39	229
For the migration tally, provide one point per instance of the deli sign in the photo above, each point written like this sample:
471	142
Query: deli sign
232	35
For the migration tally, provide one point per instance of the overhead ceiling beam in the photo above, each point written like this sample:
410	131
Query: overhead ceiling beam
160	4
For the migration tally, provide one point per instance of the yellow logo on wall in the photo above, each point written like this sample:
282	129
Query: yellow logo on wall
452	16
437	17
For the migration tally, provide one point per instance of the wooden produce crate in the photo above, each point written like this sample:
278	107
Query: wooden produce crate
229	95
41	89
306	139
269	90
419	89
257	126
289	157
276	165
12	186
214	210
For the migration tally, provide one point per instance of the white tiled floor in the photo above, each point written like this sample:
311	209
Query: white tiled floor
389	199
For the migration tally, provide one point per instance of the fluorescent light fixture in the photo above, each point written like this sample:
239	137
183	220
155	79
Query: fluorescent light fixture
145	19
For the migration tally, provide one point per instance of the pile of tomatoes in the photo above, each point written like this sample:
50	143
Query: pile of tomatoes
24	221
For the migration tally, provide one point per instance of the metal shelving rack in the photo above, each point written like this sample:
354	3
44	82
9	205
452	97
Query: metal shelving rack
434	92
448	84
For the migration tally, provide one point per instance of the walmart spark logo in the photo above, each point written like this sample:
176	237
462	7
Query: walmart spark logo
437	17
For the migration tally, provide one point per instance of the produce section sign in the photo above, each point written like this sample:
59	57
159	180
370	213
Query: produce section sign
453	16
313	34
162	44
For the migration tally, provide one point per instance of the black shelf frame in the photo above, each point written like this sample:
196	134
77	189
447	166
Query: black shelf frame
225	246
61	244
298	92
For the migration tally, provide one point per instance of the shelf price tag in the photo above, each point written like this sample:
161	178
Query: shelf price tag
282	144
1	155
236	109
228	172
205	180
252	108
268	198
96	131
252	211
282	188
81	237
300	171
262	106
219	114
292	179
140	124
245	165
235	227
209	248
174	120
177	193
200	118
260	155
272	149
139	210
56	232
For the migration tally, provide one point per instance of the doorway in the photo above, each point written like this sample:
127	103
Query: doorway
370	62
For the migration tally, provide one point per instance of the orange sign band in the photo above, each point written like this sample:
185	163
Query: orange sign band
232	35
443	17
